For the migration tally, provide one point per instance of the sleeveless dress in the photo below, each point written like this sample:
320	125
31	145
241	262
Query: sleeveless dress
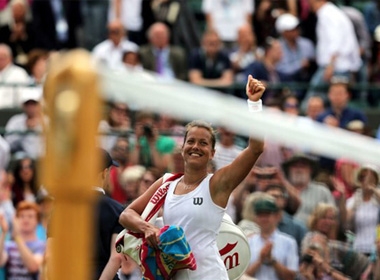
200	219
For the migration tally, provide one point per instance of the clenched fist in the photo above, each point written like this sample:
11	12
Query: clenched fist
254	89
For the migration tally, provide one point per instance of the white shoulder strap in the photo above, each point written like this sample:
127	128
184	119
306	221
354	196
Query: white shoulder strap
156	200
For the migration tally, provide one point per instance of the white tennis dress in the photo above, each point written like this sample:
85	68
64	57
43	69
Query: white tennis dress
200	218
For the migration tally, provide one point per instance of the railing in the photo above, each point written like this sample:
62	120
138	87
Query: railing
11	93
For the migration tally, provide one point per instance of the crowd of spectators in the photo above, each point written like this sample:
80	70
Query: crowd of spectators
330	47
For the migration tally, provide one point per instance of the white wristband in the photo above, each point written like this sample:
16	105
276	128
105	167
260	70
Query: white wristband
255	106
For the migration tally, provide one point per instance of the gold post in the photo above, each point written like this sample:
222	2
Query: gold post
70	165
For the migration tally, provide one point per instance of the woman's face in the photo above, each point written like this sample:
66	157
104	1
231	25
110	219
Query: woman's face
327	222
26	170
119	113
39	68
197	148
368	177
146	181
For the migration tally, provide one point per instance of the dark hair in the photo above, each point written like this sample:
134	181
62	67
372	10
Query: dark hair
131	52
18	186
202	124
113	105
33	56
106	159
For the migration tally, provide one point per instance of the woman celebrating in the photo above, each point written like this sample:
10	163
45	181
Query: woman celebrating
197	200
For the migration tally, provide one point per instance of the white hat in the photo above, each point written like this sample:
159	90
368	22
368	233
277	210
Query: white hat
286	22
30	94
376	33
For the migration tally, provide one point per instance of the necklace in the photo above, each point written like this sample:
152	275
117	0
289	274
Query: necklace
188	187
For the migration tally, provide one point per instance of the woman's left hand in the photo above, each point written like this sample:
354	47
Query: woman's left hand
254	89
151	235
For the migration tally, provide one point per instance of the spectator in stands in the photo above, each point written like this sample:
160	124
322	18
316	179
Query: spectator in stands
171	126
131	179
46	205
25	186
290	104
19	34
364	39
23	131
110	52
300	171
246	223
37	65
226	17
116	124
297	62
10	73
245	53
151	149
377	263
274	255
287	223
150	176
5	13
130	14
325	259
363	209
105	260
315	107
23	255
225	148
95	18
374	68
265	176
265	70
132	62
263	21
371	12
6	204
345	171
338	51
5	153
56	23
159	56
121	154
358	126
339	114
210	65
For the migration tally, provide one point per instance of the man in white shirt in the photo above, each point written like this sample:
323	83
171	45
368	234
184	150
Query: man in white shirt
10	74
274	255
227	16
337	50
130	14
110	52
23	131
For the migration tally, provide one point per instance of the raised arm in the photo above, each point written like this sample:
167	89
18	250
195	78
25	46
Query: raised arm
229	177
